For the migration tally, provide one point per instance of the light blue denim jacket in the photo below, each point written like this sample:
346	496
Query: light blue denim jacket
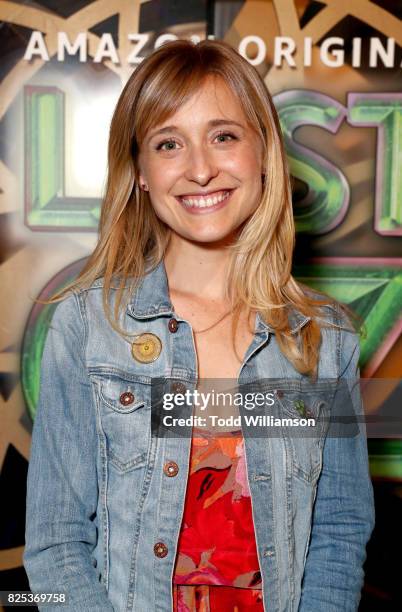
98	498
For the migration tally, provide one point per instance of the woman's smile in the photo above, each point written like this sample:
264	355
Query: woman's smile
204	204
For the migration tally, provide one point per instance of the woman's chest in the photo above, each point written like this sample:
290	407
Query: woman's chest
216	355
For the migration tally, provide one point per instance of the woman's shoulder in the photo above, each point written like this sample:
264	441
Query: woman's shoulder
329	311
91	295
69	311
341	329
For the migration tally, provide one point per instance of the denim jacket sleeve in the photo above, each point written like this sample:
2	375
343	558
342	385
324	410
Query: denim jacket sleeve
62	488
343	515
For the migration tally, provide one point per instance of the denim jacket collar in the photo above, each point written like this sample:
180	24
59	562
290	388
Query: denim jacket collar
152	300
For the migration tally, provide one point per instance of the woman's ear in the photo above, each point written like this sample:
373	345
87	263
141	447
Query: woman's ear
142	182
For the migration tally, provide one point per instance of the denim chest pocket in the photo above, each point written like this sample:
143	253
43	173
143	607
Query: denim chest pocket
305	425
125	419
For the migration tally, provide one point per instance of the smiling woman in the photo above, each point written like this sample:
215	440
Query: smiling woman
197	169
194	258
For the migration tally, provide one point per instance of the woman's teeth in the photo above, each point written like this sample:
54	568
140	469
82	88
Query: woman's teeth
205	202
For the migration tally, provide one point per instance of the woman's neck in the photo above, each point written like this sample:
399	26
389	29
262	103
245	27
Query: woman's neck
195	269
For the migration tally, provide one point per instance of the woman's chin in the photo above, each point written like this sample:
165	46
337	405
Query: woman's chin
212	237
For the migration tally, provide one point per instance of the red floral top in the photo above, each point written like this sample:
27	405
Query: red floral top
217	564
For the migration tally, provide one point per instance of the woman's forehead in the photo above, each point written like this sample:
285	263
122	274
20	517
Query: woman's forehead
215	103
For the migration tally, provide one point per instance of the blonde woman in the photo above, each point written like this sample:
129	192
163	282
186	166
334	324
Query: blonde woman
191	281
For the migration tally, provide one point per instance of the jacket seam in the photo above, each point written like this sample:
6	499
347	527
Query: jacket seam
339	340
84	341
80	299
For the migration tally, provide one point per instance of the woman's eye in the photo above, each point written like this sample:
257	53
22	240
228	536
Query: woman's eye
169	142
225	134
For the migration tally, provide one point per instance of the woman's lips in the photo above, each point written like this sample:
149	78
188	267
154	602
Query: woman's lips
198	210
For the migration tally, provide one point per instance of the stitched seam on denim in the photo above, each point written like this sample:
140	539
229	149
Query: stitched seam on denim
181	373
137	527
285	455
339	343
121	374
127	465
156	559
105	531
152	311
289	497
102	492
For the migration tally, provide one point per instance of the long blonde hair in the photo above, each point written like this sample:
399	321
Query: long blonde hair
131	236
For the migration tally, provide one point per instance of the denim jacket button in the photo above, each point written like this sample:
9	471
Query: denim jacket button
171	468
146	348
160	550
126	398
178	387
279	392
173	326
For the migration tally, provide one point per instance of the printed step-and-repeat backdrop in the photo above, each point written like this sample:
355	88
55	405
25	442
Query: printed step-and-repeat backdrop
334	70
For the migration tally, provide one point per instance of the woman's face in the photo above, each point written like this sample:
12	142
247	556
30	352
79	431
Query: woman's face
203	166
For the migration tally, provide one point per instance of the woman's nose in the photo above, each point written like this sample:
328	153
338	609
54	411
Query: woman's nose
201	166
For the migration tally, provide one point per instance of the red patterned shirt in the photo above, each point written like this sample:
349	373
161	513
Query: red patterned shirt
217	566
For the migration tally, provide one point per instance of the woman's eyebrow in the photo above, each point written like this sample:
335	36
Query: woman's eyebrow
211	123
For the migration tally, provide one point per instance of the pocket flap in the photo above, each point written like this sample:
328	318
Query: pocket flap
120	395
